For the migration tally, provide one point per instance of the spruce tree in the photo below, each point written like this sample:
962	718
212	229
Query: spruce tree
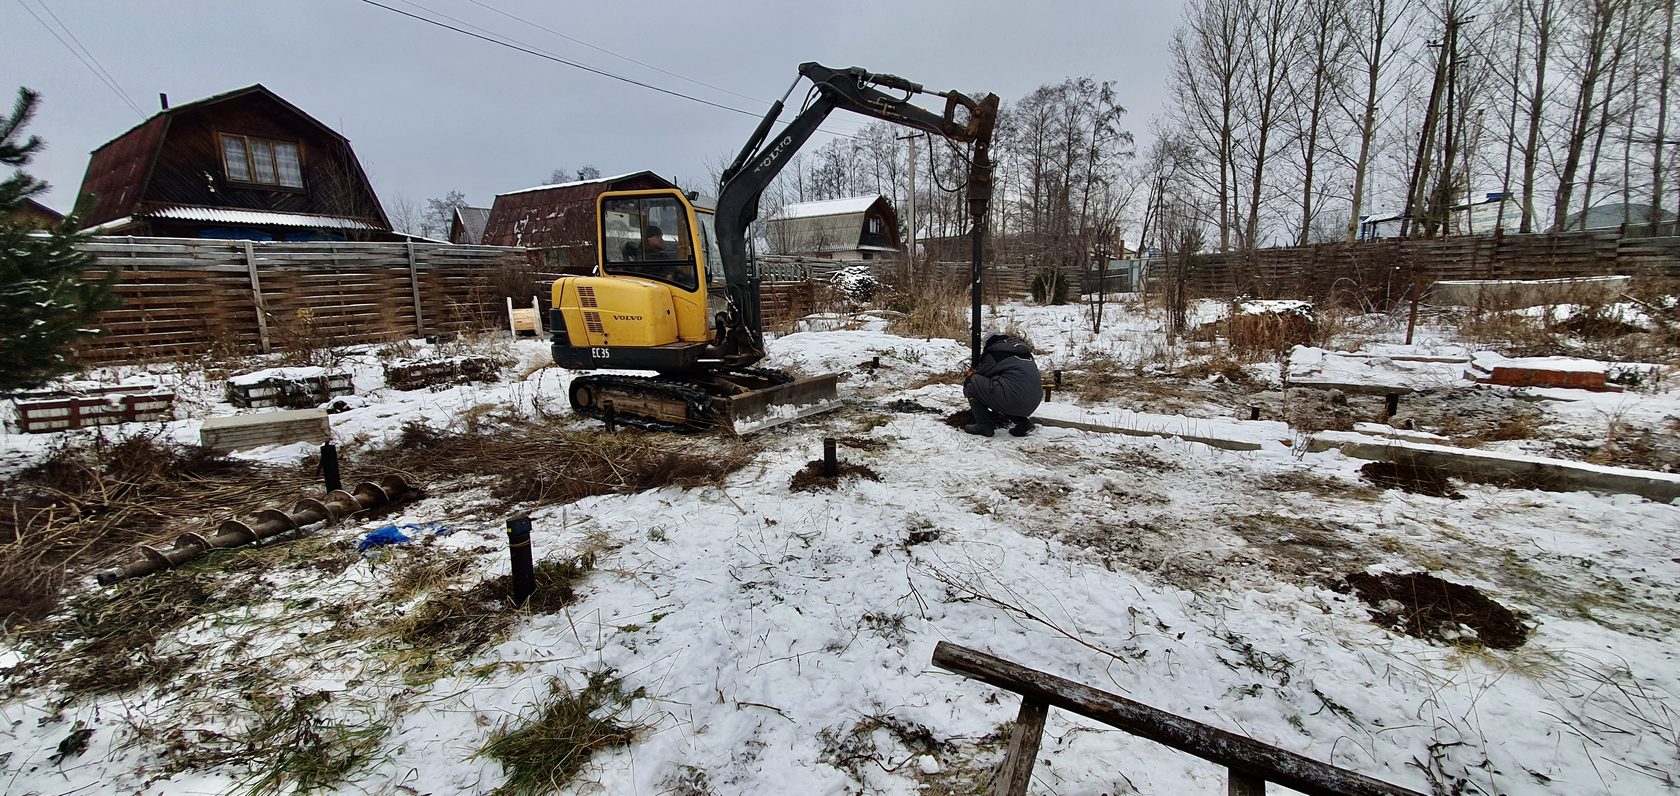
46	301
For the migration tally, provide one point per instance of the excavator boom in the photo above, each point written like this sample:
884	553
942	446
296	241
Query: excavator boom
866	93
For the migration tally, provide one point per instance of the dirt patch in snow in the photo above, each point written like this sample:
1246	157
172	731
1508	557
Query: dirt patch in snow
1410	477
810	478
1304	547
1424	606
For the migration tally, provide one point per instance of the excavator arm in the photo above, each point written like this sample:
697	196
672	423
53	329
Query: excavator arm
856	90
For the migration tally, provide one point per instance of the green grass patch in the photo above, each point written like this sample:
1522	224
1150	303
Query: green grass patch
546	752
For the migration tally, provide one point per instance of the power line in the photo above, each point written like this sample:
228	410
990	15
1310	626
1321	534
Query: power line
511	44
98	71
555	58
73	38
623	57
619	56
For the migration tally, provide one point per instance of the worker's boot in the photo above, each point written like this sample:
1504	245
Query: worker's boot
980	429
985	420
1021	427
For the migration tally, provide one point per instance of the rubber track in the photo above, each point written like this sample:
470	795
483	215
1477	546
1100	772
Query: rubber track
697	399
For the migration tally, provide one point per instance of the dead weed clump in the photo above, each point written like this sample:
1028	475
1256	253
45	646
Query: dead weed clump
544	753
938	309
108	641
91	501
1272	333
858	747
1216	367
453	623
1427	607
286	739
535	463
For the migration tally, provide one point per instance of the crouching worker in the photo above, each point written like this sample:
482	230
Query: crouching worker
1004	387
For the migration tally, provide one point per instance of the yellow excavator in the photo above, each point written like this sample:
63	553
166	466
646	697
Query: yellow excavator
676	293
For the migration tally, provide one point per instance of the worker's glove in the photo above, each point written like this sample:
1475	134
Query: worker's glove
967	374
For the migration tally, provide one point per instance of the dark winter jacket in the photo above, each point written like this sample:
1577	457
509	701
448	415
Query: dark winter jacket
1006	380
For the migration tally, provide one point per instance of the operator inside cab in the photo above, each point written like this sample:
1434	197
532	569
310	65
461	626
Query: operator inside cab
648	236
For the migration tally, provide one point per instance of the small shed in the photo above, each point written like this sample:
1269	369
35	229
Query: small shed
559	220
852	228
468	225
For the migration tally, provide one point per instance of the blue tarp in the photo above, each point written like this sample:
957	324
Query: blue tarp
399	534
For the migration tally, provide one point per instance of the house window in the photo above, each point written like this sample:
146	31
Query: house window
874	225
262	161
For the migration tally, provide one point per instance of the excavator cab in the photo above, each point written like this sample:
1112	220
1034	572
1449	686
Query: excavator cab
646	307
658	302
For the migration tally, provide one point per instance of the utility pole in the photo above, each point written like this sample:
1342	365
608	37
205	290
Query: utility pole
912	205
1416	189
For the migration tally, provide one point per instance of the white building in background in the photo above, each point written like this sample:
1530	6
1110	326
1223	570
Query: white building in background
1494	211
853	228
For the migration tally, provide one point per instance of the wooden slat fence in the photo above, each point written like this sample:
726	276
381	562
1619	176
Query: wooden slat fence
1377	272
184	297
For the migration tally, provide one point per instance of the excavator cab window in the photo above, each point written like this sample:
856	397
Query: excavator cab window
715	279
648	236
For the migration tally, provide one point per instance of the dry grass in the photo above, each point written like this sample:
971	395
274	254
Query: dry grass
526	462
89	503
285	738
1216	365
939	309
1270	333
458	622
546	752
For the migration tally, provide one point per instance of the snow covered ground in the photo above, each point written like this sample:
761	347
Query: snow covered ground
780	640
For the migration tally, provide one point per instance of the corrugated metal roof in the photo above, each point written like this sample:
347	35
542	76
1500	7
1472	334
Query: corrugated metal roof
829	207
219	215
472	220
576	183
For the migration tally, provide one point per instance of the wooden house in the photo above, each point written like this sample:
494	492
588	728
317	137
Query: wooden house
467	226
35	215
853	228
557	222
241	165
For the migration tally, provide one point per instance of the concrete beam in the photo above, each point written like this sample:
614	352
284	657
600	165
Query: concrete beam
1102	428
1508	469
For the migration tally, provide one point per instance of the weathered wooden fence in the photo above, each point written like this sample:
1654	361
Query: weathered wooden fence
1380	271
185	297
1250	763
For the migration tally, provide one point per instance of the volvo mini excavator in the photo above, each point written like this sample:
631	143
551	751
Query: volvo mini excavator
675	293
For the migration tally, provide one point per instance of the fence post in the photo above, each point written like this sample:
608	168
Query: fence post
1017	767
1239	784
414	289
257	297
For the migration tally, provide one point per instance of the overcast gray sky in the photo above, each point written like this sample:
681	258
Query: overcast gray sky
429	110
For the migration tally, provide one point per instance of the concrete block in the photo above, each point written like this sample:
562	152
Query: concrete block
240	432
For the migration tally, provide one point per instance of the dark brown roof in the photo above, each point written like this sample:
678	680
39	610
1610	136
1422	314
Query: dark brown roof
116	175
119	170
32	208
557	215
